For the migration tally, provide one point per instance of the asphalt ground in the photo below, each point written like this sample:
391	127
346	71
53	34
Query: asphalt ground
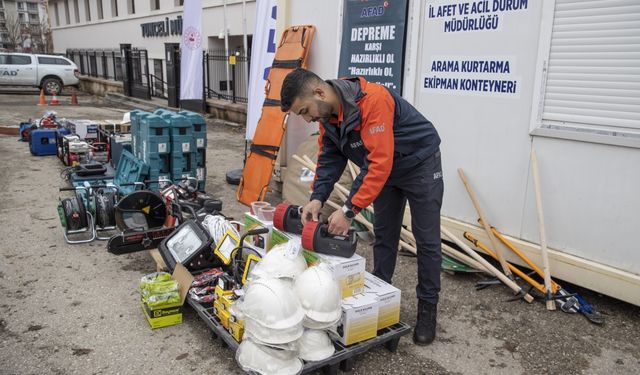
73	309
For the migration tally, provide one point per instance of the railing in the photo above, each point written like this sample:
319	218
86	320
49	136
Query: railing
158	86
105	64
215	76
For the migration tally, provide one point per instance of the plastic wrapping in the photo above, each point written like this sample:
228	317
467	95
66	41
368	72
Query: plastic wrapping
156	301
207	278
282	261
266	361
153	278
204	294
319	295
315	345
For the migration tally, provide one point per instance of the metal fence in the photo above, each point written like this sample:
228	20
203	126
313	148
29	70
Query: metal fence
215	76
105	63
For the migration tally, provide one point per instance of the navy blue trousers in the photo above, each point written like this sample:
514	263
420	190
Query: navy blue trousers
422	188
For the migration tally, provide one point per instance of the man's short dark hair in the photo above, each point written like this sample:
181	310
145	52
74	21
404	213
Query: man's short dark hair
297	84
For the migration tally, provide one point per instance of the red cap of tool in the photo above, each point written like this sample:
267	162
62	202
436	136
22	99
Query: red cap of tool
308	233
279	214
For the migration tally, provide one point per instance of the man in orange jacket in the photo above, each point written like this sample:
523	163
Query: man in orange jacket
397	150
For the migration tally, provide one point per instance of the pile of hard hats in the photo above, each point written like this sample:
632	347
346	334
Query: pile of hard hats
287	309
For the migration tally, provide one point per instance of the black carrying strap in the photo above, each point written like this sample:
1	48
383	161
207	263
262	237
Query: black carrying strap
262	150
287	64
271	103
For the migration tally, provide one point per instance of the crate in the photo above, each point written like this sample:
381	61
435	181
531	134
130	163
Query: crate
344	356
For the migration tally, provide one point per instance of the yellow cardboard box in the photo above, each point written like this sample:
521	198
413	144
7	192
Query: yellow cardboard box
170	315
359	320
348	272
388	298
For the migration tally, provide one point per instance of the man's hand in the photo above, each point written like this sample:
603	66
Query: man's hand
310	211
338	223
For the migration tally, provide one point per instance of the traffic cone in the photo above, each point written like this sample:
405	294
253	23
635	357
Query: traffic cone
42	100
74	98
54	100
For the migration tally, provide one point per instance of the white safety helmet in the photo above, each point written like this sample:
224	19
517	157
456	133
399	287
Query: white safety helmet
312	324
315	345
282	261
263	360
271	336
272	311
319	294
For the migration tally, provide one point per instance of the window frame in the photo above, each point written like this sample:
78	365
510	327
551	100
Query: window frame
609	135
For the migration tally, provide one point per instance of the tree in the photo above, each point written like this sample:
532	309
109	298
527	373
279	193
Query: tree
14	32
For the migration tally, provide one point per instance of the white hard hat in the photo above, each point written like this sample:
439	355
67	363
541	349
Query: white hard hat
263	360
270	307
312	324
315	345
271	336
319	294
282	261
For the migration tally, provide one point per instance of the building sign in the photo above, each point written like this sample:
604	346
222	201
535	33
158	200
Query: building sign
373	34
485	74
476	15
162	28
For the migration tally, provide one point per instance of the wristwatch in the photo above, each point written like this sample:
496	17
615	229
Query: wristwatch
348	212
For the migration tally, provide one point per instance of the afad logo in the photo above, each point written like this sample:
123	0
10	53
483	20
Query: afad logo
373	11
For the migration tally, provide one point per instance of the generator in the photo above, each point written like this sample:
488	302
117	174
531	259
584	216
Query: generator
42	142
78	153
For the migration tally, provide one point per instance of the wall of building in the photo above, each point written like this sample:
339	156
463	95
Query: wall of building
125	28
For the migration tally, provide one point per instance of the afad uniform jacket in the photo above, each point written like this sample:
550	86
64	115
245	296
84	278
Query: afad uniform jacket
377	130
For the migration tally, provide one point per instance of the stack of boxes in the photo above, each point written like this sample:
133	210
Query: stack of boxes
183	150
173	145
154	148
200	133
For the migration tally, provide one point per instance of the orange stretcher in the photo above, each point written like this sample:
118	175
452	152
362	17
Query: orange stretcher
291	53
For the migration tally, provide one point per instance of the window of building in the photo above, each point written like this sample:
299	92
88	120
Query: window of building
587	73
20	5
114	8
179	3
131	6
155	4
76	10
87	10
66	12
56	13
100	11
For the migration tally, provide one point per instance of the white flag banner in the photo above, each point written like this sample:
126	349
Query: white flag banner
263	50
191	51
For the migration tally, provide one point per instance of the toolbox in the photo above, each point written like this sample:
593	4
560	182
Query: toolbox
200	134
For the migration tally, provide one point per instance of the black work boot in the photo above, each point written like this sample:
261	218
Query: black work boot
425	330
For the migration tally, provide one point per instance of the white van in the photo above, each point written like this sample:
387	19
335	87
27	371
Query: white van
49	72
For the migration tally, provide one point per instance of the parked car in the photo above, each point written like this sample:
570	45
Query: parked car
48	72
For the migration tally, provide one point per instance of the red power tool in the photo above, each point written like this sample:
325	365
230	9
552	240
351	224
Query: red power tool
316	237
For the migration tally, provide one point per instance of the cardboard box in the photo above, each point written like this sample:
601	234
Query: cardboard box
348	272
262	242
359	320
170	315
279	237
388	298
